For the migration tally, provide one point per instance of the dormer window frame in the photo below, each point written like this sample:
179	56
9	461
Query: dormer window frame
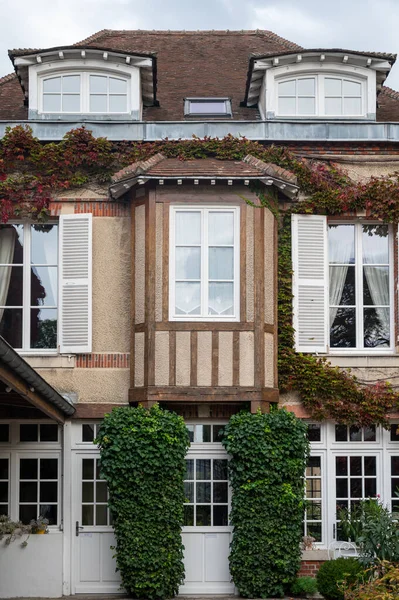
85	91
223	101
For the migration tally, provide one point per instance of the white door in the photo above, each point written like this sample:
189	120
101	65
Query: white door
206	534
93	562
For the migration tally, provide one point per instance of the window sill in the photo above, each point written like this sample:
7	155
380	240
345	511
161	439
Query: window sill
49	361
317	554
386	359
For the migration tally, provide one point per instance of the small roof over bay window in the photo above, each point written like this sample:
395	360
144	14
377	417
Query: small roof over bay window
314	84
63	82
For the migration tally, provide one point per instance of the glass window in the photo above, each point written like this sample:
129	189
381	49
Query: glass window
217	107
29	285
343	433
204	261
395	483
297	96
205	433
4	486
107	94
95	509
89	431
359	285
4	432
342	97
206	489
314	497
314	432
38	489
62	93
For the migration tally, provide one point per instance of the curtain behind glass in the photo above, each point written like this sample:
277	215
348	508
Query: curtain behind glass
7	245
340	253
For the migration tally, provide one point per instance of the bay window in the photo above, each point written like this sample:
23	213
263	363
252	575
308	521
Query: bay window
204	263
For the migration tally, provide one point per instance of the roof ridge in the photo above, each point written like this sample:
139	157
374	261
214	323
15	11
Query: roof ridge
7	78
137	168
277	37
267	168
390	92
93	37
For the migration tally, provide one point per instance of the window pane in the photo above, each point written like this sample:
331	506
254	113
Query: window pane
28	433
341	465
356	488
11	244
44	286
221	228
48	433
287	106
101	514
11	326
395	465
313	511
203	492
44	245
43	328
352	88
332	87
188	263
188	228
27	513
314	432
189	469
395	433
221	297
333	106
48	491
220	469
3	468
220	516
306	106
88	514
101	491
221	263
12	285
370	465
117	86
369	434
376	286
375	244
188	301
28	491
341	433
352	106
188	516
355	465
117	104
342	488
313	468
88	468
342	286
52	103
189	491
28	468
376	328
98	84
87	432
287	88
314	530
220	492
208	107
4	437
202	433
87	491
203	469
53	84
355	434
341	244
48	468
71	103
98	103
343	328
203	516
71	84
3	491
49	511
306	87
218	432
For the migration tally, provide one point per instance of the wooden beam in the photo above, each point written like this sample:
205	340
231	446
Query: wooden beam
19	386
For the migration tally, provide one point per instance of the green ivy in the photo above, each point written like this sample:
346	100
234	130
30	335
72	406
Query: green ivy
142	460
268	459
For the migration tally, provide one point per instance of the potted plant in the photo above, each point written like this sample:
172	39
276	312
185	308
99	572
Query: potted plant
39	525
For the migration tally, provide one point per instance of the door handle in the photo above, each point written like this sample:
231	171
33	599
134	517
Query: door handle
78	528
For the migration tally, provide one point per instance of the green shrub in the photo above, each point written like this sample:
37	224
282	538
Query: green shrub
142	460
303	586
268	460
333	573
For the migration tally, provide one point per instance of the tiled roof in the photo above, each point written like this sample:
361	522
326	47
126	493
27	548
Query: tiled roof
383	55
159	166
388	105
12	99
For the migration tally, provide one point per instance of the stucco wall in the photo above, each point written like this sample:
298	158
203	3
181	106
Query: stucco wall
361	168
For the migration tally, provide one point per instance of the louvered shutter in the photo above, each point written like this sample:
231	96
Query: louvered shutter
75	283
310	282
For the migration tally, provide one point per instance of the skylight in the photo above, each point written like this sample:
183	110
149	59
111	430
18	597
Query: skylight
210	107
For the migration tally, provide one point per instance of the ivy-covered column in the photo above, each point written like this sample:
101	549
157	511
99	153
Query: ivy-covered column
142	460
268	459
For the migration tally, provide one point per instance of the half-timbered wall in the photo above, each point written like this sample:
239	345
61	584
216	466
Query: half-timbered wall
211	361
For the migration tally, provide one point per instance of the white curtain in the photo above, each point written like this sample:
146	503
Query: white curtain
340	253
378	282
7	245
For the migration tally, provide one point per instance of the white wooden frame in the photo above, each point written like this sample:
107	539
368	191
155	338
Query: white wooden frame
360	349
26	297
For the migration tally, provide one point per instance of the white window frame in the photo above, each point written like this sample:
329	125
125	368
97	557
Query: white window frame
360	349
226	102
204	263
316	453
26	298
84	90
319	79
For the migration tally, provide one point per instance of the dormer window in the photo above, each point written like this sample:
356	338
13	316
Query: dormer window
84	93
207	107
320	95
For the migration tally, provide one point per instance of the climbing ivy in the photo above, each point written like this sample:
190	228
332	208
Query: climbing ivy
142	460
32	172
268	459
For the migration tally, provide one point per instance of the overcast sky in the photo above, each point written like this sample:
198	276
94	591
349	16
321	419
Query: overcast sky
352	24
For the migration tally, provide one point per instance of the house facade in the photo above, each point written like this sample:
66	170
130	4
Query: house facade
161	285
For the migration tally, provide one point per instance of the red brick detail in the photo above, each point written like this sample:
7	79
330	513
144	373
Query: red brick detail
102	361
55	208
102	209
309	568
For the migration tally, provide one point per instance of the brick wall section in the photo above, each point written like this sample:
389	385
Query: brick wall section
342	148
102	361
309	568
102	209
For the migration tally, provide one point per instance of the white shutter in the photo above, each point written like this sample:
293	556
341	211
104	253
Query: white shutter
310	282
75	283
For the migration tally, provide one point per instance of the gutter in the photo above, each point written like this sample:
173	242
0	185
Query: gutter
12	359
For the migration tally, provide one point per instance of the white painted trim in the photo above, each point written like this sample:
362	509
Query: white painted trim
204	210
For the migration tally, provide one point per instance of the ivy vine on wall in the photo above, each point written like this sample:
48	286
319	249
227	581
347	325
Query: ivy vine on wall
143	461
32	172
